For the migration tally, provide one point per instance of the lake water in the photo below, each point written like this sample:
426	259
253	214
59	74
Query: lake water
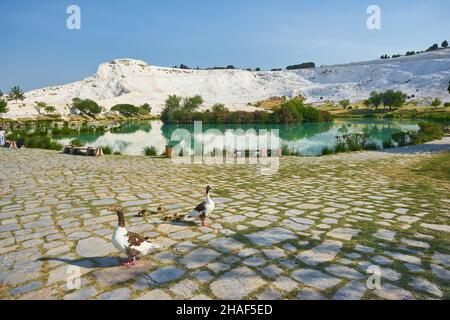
308	139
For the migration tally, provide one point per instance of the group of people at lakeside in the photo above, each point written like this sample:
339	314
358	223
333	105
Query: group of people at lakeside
4	143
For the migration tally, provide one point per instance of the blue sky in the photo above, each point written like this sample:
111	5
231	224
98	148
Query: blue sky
37	50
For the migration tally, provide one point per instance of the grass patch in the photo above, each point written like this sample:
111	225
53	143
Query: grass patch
107	150
437	167
150	151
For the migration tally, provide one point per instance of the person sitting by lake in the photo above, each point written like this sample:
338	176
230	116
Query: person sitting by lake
2	136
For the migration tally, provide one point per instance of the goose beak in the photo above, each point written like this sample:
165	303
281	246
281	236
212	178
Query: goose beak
114	208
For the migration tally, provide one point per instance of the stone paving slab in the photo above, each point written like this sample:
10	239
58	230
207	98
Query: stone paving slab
310	232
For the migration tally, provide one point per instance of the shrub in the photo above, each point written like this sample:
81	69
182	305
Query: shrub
428	132
327	151
150	151
344	103
341	147
41	142
387	144
86	107
107	150
126	110
3	106
290	112
436	102
285	150
44	107
372	146
447	104
145	109
77	143
352	141
402	138
117	153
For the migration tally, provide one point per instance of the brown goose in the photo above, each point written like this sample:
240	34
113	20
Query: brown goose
204	209
129	243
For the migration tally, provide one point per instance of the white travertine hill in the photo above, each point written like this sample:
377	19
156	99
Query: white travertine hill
425	75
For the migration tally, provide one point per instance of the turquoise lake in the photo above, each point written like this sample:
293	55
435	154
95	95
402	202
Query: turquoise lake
308	139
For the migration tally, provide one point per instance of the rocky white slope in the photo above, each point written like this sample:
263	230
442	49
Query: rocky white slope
131	81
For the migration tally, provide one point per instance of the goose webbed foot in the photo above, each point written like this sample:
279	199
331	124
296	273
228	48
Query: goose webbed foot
130	263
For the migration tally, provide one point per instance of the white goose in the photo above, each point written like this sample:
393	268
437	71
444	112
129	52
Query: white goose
204	209
129	243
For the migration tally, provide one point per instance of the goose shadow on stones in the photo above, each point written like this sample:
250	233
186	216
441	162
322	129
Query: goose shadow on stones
88	263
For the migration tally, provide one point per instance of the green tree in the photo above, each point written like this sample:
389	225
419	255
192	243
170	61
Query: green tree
375	99
436	102
192	103
173	104
434	47
49	109
448	89
16	94
1	94
444	44
394	99
126	110
3	106
40	106
219	108
145	109
86	107
344	103
43	107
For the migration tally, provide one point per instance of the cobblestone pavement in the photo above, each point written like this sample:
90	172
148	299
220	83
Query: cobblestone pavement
310	232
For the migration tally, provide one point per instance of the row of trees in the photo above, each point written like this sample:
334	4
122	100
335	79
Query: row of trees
305	65
389	98
87	107
180	110
129	110
434	47
229	67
